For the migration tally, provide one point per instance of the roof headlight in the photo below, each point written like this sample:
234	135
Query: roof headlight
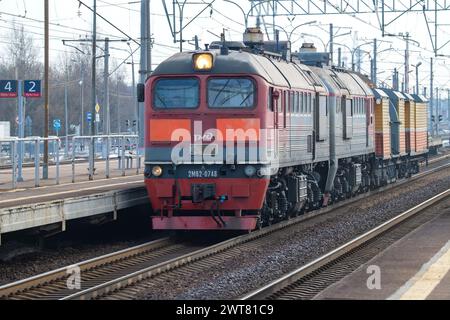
203	61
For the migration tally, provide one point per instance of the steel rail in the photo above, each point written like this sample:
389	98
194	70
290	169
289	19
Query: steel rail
302	272
154	270
61	273
141	275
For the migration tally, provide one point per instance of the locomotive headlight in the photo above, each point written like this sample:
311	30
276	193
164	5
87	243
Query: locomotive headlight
157	171
250	171
203	61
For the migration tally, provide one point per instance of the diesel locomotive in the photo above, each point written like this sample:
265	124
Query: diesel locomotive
242	135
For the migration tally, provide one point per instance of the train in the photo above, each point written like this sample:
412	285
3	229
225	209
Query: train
242	135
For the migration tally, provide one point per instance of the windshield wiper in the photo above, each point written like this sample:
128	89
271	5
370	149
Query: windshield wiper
160	99
220	92
248	97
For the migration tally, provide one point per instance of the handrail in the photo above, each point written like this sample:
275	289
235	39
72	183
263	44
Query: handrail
121	153
17	157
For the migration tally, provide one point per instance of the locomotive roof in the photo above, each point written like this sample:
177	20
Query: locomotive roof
332	85
355	83
277	72
343	82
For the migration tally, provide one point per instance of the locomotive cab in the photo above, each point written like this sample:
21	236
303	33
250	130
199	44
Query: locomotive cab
204	169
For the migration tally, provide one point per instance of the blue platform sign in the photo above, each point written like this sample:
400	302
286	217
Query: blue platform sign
8	89
89	116
57	124
32	89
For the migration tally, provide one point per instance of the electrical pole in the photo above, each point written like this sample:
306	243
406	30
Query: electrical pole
106	111
331	44
82	98
359	57
417	80
375	64
371	70
181	26
417	77
119	127
46	89
431	95
197	46
340	57
407	64
21	118
133	76
438	105
146	61
395	80
448	108
66	116
93	92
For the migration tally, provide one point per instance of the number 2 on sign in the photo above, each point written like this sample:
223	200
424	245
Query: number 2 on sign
33	87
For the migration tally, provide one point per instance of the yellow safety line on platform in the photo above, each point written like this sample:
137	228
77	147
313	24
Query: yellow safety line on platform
427	279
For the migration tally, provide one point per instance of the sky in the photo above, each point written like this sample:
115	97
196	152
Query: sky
71	21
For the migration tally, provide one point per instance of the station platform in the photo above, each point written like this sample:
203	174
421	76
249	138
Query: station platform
413	268
29	207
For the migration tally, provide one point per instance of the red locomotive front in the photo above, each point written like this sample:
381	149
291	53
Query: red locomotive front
205	121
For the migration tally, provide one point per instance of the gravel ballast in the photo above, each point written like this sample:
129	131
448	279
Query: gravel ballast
248	270
297	246
80	243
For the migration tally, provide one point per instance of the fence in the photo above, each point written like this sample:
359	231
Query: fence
123	143
16	158
105	147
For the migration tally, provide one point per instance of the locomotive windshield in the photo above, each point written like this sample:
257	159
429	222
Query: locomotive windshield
231	93
176	93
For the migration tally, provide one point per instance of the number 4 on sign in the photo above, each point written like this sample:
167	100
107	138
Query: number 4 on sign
8	89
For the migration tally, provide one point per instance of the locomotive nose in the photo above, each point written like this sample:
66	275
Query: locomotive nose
202	192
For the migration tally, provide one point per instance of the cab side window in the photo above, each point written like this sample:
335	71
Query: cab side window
270	103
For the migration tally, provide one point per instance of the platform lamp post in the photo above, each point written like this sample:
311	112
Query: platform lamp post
353	51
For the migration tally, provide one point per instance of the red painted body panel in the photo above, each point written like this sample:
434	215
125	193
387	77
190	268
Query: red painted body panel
247	223
243	194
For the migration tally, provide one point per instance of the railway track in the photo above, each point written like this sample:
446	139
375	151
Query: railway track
121	275
311	279
53	285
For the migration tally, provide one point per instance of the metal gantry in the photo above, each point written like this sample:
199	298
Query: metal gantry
387	12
